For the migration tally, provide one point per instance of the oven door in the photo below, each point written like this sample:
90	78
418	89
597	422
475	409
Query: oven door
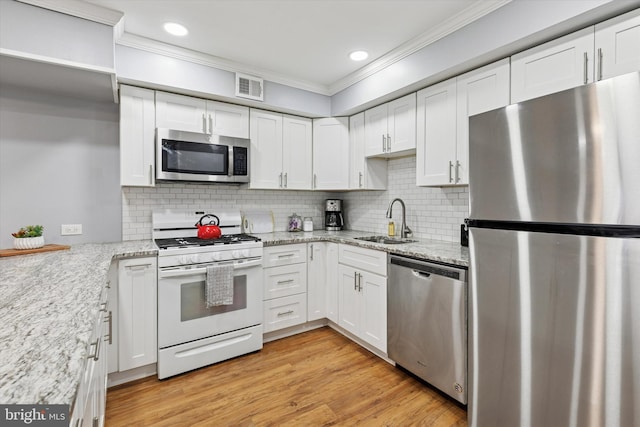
182	312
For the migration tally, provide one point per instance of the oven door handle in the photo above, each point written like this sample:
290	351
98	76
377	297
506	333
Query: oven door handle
192	271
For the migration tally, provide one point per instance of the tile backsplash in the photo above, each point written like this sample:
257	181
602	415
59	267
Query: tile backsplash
432	213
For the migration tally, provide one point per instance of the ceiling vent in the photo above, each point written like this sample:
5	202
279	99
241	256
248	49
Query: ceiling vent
249	87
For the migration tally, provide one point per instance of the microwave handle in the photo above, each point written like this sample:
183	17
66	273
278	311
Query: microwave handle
191	271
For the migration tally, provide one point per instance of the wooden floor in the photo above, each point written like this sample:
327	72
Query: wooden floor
312	379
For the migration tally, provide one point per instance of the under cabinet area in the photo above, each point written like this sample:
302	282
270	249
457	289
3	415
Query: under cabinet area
285	286
362	285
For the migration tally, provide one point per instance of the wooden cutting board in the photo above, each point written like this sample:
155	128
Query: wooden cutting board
45	248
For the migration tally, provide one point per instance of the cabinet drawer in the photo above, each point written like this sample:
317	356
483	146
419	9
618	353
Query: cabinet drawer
283	312
363	259
284	280
284	255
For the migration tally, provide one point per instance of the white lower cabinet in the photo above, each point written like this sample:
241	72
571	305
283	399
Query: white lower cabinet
362	285
322	284
284	312
90	403
137	312
285	286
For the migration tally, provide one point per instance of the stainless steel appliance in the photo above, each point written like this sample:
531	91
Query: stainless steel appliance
333	219
427	322
190	156
555	259
190	334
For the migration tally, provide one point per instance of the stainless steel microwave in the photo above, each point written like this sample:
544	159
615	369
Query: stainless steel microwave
191	156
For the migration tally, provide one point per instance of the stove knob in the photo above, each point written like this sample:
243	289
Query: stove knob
216	256
245	253
183	259
194	258
236	254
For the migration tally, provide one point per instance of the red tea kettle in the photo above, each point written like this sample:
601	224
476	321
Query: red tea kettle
209	230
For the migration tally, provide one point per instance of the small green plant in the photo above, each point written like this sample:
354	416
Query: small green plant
29	231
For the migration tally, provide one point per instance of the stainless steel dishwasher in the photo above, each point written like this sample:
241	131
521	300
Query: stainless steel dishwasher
427	322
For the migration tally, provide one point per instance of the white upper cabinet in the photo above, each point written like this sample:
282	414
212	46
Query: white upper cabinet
560	64
436	133
617	43
390	129
331	153
297	155
181	112
190	114
442	151
364	173
607	50
266	149
137	136
228	119
281	151
480	90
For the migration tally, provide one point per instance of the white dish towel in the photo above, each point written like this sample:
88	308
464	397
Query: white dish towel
219	285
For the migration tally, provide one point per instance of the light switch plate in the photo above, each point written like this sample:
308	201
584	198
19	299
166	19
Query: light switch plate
70	229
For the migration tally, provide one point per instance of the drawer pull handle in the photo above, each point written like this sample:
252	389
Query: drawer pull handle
285	255
282	282
285	313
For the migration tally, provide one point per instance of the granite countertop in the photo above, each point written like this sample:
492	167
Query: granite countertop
430	250
48	305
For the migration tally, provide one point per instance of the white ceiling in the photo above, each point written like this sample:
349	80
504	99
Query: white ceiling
303	43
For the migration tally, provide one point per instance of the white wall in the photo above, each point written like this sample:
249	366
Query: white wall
59	164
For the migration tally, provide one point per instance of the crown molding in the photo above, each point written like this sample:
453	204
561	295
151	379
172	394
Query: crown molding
114	18
165	49
80	9
470	14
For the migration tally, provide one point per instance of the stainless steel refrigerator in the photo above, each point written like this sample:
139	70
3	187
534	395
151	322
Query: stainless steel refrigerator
554	303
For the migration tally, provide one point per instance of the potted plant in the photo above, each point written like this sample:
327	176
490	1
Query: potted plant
29	237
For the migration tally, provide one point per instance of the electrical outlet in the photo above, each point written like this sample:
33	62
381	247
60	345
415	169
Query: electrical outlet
70	229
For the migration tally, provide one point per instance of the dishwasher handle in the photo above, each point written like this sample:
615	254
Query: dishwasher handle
425	268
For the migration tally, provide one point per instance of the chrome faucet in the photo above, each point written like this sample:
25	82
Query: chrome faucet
405	231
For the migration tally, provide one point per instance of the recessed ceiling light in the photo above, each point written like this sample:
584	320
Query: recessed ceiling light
175	29
358	55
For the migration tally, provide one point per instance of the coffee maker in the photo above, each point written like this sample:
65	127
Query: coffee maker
333	220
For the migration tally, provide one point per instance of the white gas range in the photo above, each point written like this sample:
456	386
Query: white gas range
193	332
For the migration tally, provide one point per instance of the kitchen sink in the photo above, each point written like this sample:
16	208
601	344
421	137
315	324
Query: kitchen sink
385	239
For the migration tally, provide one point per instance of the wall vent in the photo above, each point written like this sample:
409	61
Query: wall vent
249	87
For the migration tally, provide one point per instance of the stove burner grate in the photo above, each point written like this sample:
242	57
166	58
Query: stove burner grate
190	242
